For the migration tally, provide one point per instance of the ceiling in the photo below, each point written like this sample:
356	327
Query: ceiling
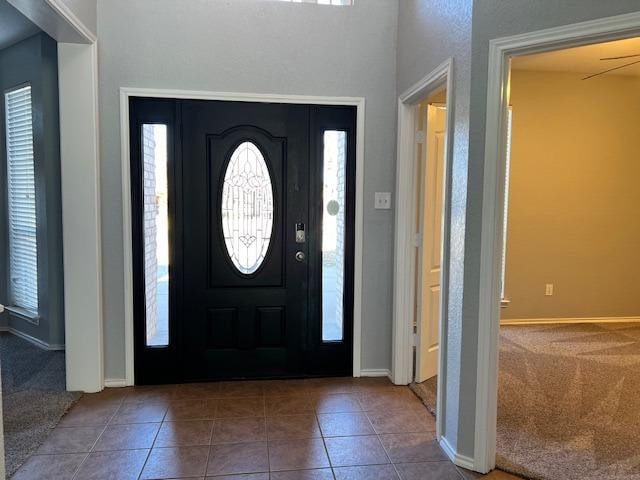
584	60
13	25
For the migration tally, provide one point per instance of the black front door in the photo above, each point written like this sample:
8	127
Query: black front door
261	259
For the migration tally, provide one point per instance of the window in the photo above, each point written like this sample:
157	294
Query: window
21	190
506	203
322	2
247	208
156	234
333	234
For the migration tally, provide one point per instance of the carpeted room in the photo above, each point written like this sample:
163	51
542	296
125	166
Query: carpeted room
570	317
569	337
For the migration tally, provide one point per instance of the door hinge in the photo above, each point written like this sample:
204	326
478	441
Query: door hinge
417	240
420	136
415	339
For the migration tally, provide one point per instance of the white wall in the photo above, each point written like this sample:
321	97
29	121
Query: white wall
80	222
264	47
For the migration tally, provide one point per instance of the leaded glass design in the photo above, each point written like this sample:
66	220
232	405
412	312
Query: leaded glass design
247	208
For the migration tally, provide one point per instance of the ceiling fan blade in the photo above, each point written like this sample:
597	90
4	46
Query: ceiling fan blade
620	58
610	70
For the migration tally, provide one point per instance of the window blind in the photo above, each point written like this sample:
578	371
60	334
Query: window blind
23	246
507	173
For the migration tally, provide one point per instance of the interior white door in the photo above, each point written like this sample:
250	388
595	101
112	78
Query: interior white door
428	324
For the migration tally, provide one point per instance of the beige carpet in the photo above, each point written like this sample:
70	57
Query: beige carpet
568	401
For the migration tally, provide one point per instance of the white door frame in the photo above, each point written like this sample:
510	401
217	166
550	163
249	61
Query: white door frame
127	92
81	224
408	196
500	51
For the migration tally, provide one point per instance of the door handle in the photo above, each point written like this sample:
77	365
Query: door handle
300	256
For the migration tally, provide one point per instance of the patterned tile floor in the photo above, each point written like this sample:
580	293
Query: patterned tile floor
315	429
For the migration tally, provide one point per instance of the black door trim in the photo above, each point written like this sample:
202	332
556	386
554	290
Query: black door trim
155	364
331	357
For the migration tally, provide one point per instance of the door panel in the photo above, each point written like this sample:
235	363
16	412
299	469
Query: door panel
429	325
331	282
156	285
247	232
262	315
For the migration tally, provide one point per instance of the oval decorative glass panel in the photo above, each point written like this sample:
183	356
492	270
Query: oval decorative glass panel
247	208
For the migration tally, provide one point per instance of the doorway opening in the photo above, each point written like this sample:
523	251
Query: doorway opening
570	310
230	246
430	161
32	310
422	237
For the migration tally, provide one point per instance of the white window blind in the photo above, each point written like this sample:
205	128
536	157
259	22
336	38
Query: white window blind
507	174
23	247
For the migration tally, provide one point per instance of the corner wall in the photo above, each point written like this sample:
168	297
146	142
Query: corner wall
429	32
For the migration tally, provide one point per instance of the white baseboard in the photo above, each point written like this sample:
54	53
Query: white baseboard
375	372
542	321
33	340
115	382
460	460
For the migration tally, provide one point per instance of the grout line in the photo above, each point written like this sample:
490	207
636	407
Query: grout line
151	448
266	435
75	474
88	453
209	447
324	443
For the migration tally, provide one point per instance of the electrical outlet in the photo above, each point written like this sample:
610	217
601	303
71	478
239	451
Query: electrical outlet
382	201
548	289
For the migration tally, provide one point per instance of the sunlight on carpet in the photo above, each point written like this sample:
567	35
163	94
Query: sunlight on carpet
568	402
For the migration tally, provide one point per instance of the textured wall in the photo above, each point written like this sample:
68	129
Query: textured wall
264	47
85	11
429	32
573	198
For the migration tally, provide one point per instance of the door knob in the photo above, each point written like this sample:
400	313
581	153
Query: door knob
299	256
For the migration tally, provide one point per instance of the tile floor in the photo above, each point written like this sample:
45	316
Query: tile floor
315	429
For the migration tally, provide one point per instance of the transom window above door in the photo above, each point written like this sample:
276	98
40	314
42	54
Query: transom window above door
341	3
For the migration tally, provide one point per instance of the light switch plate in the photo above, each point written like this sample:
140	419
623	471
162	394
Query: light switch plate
382	201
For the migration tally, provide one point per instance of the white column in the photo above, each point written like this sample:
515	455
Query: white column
80	168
